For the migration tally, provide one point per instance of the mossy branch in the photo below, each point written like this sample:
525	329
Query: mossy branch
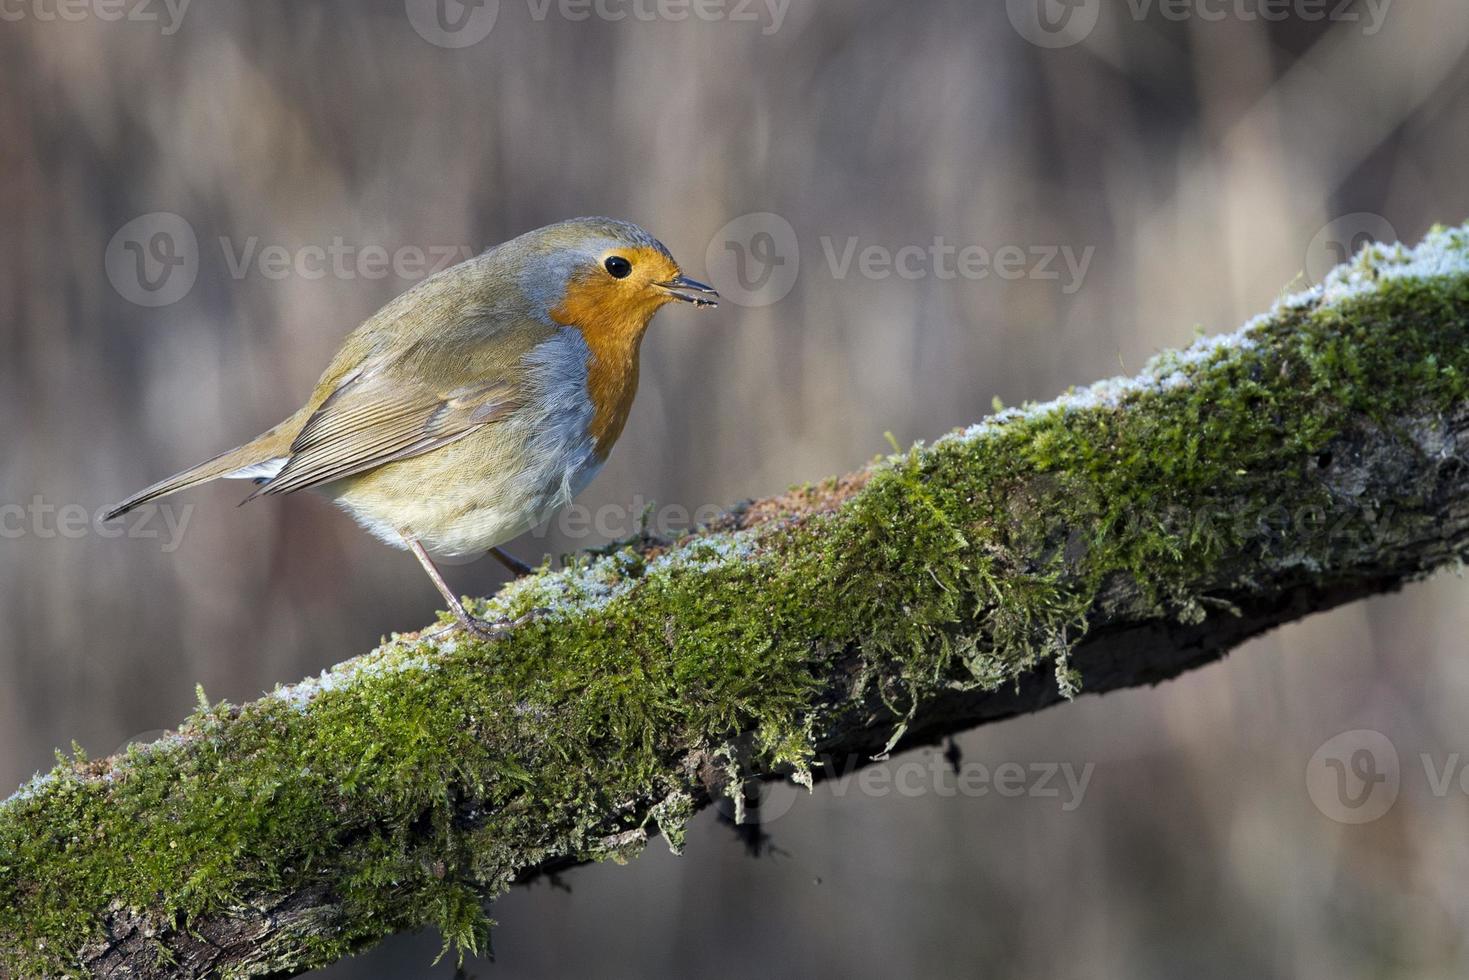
1114	537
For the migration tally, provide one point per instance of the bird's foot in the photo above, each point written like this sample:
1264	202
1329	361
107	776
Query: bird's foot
483	628
493	629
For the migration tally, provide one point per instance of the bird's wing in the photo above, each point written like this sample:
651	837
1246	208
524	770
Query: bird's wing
374	417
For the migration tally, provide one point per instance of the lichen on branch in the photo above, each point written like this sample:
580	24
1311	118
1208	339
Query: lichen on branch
1114	536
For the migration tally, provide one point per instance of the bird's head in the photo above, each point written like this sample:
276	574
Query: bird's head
602	275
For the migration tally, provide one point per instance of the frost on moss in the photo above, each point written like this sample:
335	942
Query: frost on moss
417	780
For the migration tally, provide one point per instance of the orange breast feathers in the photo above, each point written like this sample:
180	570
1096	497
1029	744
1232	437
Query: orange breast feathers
612	316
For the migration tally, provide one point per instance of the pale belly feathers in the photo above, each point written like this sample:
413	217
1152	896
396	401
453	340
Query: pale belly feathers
499	481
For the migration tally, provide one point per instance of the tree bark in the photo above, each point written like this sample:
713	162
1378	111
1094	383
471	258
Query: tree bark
1113	538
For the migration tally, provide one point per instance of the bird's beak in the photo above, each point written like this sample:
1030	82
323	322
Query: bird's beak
690	291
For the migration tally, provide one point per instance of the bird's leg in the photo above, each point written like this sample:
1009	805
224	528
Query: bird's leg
478	627
516	566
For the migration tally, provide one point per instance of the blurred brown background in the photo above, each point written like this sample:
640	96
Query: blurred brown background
1201	157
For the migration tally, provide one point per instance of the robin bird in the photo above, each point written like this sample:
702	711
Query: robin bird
470	408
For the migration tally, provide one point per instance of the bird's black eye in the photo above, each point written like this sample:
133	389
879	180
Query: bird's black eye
618	267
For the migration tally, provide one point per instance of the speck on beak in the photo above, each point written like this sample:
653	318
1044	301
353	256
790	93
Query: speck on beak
683	288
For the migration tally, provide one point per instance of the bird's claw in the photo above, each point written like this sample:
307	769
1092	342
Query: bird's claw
487	630
483	628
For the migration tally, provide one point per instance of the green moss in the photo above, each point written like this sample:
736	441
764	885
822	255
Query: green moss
423	777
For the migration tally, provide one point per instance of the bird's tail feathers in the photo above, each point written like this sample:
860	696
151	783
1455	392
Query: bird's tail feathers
259	459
